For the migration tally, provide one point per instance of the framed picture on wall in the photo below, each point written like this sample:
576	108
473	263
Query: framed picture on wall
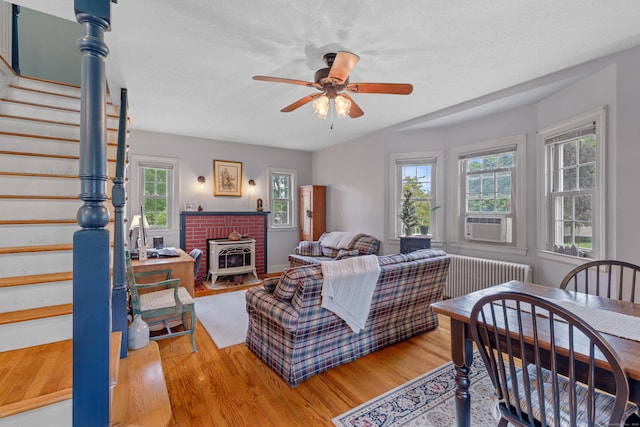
227	178
190	206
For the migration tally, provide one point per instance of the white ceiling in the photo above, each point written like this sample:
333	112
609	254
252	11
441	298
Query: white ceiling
188	64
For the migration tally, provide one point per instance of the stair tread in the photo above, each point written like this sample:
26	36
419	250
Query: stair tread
34	314
35	278
50	370
35	248
140	397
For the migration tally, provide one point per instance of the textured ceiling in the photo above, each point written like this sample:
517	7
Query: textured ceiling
188	64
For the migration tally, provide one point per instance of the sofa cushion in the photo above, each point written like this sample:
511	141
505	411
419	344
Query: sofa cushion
306	248
329	252
290	278
366	244
342	253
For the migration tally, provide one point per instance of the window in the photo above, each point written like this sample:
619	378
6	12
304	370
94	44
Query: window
574	187
419	173
153	188
283	198
156	183
491	193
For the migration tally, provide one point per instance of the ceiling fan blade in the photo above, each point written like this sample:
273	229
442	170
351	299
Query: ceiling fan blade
300	102
342	66
387	88
283	80
355	111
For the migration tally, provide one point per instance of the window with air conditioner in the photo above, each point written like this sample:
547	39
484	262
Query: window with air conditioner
491	181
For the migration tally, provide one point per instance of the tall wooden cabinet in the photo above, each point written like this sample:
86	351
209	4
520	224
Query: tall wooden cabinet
312	211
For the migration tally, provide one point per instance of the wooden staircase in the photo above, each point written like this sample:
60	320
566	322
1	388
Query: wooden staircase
39	187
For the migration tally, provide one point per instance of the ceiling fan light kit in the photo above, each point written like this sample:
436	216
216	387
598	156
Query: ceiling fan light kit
331	82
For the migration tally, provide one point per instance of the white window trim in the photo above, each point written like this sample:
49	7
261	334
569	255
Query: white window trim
599	117
134	194
294	199
520	218
438	200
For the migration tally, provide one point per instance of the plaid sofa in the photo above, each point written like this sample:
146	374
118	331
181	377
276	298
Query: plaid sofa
308	253
295	336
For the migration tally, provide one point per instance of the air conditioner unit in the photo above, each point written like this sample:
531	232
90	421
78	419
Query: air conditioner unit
486	228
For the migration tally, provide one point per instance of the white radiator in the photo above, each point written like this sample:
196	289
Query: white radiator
468	274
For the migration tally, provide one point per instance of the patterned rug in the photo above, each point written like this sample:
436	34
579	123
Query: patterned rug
428	400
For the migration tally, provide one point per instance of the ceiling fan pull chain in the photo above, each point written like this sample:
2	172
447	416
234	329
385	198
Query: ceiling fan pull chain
332	103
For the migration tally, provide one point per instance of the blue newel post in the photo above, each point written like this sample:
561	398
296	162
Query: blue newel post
91	279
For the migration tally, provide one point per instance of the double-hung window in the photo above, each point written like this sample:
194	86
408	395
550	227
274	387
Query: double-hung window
283	198
573	155
491	191
419	175
154	189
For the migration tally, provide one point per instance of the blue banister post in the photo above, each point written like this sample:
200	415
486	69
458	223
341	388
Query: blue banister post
118	199
91	278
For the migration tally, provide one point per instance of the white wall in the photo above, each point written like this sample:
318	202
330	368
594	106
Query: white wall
196	157
359	169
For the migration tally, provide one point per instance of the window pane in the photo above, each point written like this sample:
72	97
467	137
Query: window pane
473	205
569	157
473	186
161	189
281	212
568	180
584	235
582	208
587	176
149	188
488	184
474	165
488	205
505	161
588	149
504	184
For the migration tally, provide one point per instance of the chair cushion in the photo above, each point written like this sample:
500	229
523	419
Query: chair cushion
163	299
306	248
604	401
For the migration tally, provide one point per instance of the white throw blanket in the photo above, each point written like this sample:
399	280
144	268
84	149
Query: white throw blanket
348	286
339	239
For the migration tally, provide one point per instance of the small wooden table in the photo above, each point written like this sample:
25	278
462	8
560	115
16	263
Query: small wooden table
181	267
459	310
414	243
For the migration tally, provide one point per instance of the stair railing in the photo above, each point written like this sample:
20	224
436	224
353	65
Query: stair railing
119	306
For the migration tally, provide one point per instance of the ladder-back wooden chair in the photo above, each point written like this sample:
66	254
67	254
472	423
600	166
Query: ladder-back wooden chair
163	303
546	374
605	278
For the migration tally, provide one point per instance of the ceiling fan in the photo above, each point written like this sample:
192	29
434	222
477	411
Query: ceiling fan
332	82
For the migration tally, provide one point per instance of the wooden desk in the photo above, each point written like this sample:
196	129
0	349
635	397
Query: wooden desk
459	310
181	267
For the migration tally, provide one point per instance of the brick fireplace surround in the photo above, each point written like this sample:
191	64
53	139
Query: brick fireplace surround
197	227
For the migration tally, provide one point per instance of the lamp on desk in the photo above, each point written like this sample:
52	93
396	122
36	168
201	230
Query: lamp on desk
138	229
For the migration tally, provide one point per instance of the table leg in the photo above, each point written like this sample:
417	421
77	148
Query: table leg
462	357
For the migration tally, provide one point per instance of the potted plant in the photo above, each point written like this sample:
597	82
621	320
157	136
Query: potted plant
408	212
426	220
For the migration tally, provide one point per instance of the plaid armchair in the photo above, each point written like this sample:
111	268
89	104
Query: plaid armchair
308	253
290	331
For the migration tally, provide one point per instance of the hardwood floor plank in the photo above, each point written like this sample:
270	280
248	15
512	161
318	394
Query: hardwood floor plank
232	387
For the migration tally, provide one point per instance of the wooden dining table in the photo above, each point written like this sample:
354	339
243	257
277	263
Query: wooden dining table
459	310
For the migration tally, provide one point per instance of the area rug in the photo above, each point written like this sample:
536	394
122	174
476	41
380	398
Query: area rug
428	400
224	316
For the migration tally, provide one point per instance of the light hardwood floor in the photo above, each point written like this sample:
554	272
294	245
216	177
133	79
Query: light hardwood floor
232	387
